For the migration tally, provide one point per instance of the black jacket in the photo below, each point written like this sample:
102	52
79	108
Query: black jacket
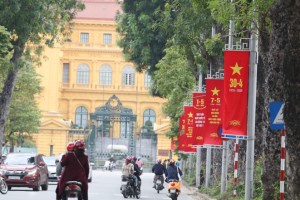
159	169
136	170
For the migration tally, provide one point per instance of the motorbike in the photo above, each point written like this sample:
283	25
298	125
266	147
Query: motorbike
73	189
128	189
3	186
173	188
158	185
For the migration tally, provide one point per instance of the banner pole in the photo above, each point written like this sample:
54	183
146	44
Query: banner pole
236	162
208	166
224	167
225	143
282	164
198	167
198	158
251	117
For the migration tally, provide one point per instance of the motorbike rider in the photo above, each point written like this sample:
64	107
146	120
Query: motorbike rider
173	171
140	163
136	169
70	149
159	170
59	168
111	161
76	168
128	169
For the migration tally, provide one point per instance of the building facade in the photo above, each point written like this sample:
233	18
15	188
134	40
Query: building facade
86	73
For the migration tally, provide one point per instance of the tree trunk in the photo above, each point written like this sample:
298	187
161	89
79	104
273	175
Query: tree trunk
282	81
7	91
286	20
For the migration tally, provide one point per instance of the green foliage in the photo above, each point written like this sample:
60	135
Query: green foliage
179	83
28	143
24	115
5	44
214	45
214	191
243	12
141	42
37	20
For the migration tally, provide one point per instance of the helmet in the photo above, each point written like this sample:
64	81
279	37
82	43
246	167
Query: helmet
70	146
79	144
128	158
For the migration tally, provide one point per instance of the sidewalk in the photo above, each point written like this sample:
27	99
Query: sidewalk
193	192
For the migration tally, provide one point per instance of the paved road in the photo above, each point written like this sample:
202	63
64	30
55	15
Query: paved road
105	186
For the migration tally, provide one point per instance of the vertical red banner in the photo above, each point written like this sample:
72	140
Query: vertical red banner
181	135
189	129
235	105
213	122
199	110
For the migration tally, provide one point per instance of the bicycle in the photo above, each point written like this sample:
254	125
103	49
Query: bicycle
3	186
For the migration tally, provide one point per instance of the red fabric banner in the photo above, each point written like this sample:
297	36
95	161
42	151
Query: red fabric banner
189	129
235	105
199	110
213	116
181	135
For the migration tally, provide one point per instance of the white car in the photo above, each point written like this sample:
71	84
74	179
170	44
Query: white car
51	163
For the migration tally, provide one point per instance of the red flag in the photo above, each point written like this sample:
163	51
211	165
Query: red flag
199	110
235	105
189	129
213	116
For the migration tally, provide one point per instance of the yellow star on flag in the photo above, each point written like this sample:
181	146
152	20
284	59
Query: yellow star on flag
215	91
190	115
236	69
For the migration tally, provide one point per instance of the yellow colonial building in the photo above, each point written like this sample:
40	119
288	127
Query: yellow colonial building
87	74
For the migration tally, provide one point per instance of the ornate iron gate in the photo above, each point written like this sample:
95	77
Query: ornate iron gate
104	141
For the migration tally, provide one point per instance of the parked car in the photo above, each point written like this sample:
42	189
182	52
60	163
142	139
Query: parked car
25	170
51	164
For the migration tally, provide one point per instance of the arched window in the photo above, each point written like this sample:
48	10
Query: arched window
83	73
81	117
147	80
105	75
128	76
149	115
